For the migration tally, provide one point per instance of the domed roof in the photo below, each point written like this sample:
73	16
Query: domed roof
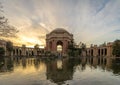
59	30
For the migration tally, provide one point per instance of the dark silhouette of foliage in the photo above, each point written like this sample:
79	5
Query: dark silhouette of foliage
115	66
6	30
116	48
72	50
83	46
36	46
2	51
9	46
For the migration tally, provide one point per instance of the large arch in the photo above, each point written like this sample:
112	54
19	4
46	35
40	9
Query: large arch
58	38
17	51
91	52
59	46
98	52
105	51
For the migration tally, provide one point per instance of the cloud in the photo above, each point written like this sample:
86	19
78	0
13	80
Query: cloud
91	21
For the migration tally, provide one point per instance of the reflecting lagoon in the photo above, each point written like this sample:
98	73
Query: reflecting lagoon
60	71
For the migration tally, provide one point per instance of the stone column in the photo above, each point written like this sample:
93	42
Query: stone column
54	46
95	51
35	51
47	45
109	50
11	53
15	52
64	46
23	51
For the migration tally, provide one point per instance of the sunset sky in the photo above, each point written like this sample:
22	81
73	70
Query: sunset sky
90	21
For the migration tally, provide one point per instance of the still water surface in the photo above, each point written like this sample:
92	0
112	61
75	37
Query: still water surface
72	71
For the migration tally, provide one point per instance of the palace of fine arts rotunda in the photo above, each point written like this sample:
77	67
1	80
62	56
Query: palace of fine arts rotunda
58	41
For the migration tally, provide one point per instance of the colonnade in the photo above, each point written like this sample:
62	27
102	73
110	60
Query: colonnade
99	51
25	51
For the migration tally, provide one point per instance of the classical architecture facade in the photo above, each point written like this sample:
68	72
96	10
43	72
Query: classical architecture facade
26	51
58	40
103	50
21	50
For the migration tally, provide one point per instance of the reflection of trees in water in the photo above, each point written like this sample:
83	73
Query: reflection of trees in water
116	66
6	65
60	75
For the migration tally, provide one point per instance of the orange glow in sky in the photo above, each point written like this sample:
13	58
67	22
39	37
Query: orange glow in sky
89	21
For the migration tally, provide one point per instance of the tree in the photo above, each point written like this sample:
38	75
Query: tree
36	46
2	51
83	46
104	44
72	50
116	48
91	45
9	46
6	30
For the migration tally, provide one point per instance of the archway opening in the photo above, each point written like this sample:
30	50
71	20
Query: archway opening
59	46
105	51
92	52
17	51
27	53
20	52
13	51
32	53
99	52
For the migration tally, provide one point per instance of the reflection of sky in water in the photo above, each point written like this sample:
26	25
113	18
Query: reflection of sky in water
29	74
69	71
93	77
59	64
